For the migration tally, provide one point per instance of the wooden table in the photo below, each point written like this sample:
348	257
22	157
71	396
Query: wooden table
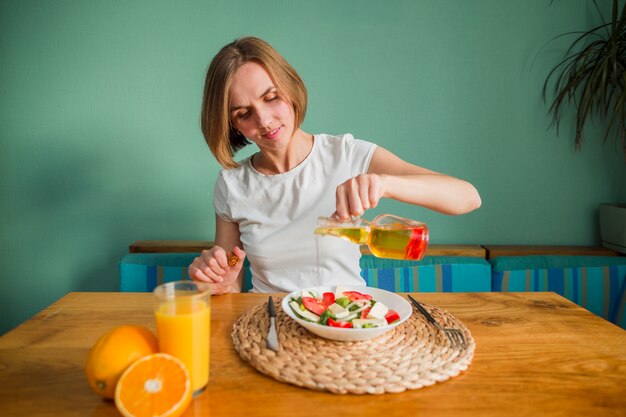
537	355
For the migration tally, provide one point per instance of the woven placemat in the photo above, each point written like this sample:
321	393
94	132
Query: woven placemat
410	356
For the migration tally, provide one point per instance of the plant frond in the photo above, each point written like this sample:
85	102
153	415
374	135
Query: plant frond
618	117
585	35
582	33
591	78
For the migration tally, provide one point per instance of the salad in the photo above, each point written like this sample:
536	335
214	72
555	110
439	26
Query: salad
343	308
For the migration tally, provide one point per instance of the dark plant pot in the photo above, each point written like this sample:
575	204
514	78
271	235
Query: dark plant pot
613	226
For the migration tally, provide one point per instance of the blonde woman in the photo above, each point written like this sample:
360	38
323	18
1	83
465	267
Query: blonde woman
266	206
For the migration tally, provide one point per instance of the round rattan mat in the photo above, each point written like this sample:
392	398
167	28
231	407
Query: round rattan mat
410	356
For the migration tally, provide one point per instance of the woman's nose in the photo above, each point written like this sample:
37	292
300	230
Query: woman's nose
264	118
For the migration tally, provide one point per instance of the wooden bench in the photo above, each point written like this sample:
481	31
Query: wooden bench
188	246
592	277
493	251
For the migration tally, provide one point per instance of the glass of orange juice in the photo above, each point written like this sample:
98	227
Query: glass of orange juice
183	321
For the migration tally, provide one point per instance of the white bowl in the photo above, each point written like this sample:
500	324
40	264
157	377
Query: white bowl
391	300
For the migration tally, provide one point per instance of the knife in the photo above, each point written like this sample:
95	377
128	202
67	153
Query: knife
272	337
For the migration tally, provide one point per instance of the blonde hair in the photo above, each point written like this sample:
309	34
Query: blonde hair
222	138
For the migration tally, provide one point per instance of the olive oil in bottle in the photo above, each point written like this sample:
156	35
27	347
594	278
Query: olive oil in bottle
387	236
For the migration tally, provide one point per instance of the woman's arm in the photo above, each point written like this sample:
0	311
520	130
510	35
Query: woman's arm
391	177
212	265
416	185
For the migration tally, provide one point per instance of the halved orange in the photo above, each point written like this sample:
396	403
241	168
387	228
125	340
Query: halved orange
155	385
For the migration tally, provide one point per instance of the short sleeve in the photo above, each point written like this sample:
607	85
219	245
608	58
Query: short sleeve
359	152
220	199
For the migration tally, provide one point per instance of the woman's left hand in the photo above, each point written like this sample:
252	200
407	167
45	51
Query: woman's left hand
357	195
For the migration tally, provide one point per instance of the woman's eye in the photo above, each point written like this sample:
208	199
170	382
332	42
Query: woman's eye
243	115
271	98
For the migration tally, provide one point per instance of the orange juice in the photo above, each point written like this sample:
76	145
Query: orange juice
183	326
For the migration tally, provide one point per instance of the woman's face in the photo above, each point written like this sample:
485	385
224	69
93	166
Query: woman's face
257	110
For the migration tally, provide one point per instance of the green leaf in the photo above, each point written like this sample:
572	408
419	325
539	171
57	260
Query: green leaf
591	78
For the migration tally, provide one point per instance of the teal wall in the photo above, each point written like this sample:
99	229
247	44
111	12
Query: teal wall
100	142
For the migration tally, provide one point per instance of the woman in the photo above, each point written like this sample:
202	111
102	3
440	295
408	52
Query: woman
268	204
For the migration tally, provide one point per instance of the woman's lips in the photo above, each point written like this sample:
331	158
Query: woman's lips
272	134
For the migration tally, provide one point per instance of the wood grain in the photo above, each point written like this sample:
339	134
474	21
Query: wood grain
537	354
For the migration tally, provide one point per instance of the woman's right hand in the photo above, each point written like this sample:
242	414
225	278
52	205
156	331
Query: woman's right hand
212	267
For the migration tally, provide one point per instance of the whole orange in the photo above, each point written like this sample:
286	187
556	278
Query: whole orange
115	351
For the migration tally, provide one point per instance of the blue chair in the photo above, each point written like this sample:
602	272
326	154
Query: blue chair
619	316
141	272
593	282
431	274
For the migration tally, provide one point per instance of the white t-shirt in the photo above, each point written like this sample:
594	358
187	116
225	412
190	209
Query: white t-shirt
277	215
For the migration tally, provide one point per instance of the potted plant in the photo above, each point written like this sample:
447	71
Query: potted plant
592	78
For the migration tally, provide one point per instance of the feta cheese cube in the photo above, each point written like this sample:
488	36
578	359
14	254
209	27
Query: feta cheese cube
378	311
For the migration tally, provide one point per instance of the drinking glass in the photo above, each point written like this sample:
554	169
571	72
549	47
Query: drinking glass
183	321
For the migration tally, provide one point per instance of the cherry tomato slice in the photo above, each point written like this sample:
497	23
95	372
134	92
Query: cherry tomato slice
342	324
355	295
392	316
328	298
313	305
365	312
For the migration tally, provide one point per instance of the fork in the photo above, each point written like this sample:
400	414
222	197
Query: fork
455	336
